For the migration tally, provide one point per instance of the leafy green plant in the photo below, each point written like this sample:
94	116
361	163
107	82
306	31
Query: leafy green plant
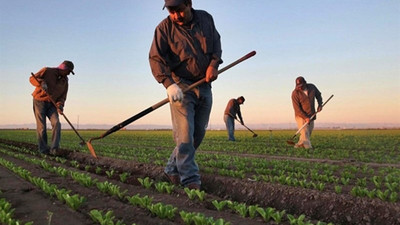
98	170
218	205
278	215
74	201
110	173
242	209
146	182
163	211
252	211
142	202
6	214
266	213
124	176
192	193
60	194
338	189
104	219
164	187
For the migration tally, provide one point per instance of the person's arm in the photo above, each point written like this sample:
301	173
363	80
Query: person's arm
297	106
212	70
158	58
239	113
318	96
39	78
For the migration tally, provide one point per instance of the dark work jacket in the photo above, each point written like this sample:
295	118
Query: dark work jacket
304	105
183	53
233	108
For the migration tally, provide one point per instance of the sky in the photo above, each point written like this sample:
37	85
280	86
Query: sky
348	48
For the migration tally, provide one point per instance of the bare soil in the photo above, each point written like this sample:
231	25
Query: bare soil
31	204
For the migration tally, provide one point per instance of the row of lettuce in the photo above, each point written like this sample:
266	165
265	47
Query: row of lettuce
159	209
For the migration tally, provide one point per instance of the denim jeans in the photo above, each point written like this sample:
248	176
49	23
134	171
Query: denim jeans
189	121
42	110
230	127
305	133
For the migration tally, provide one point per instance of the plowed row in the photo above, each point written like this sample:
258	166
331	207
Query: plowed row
33	205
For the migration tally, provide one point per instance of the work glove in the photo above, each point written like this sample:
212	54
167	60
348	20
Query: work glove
60	108
319	109
44	86
174	93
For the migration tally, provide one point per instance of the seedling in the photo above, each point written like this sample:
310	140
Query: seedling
146	182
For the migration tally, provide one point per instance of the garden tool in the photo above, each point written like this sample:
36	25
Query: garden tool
290	141
65	117
159	104
254	134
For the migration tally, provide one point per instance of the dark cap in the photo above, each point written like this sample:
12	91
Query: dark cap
300	81
172	3
67	65
241	97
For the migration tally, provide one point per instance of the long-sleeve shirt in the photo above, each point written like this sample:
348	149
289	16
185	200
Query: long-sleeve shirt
232	109
304	104
183	53
57	85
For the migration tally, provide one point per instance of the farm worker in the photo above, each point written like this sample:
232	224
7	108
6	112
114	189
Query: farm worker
303	100
186	48
232	109
51	84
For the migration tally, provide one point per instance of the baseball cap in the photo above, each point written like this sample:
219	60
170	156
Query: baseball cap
300	81
169	3
67	65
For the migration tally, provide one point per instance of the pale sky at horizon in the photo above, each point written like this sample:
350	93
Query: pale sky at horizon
349	48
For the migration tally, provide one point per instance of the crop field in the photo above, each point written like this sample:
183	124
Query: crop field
349	177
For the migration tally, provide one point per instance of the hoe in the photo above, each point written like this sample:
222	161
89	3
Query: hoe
254	134
65	117
158	105
290	141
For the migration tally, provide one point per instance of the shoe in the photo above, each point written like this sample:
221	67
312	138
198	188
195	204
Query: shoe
299	146
174	179
193	186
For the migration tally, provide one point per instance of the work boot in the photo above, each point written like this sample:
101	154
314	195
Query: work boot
193	186
174	179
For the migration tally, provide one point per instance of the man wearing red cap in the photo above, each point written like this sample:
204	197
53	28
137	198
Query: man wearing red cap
51	84
303	100
186	48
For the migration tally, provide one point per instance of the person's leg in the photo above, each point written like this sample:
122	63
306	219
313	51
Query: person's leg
52	114
230	127
181	161
202	114
39	110
300	122
308	131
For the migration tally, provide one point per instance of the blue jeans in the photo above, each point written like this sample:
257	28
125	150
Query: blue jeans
42	110
189	121
230	127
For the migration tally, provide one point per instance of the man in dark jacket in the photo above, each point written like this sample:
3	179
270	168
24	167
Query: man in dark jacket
186	48
303	100
232	109
51	85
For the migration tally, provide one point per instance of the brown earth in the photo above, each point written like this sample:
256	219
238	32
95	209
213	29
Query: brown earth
31	204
